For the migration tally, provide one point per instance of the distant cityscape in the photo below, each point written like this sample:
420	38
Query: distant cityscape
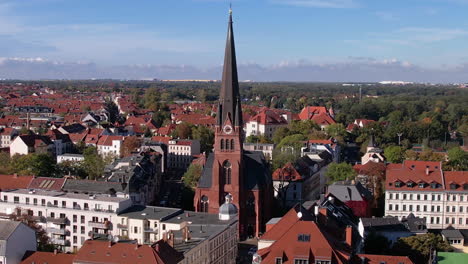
227	171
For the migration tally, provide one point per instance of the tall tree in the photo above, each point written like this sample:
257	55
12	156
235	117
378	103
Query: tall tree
394	154
340	172
113	111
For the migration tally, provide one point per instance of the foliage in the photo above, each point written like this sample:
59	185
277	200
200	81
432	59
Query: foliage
41	165
183	131
131	144
258	139
419	247
113	111
340	172
205	136
394	154
192	175
43	241
337	131
457	159
93	164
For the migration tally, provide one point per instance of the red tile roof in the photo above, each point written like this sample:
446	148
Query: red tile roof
9	182
268	117
39	257
94	251
287	173
47	183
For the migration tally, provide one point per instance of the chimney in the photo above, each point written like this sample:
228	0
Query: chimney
15	175
110	243
186	234
171	239
427	170
349	236
316	210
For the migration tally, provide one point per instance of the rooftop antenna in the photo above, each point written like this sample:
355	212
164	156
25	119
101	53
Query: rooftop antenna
230	8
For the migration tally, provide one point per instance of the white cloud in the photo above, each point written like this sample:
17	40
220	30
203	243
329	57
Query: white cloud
319	3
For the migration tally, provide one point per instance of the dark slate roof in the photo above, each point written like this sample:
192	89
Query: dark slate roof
96	187
452	233
384	224
255	174
7	228
349	192
415	224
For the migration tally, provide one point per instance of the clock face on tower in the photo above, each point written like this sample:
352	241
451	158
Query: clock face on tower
227	129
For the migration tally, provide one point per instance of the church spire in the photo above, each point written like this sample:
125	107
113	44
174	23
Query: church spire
229	94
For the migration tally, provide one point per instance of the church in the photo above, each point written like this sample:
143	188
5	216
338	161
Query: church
231	171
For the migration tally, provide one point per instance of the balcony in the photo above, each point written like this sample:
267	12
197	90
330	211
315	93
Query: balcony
57	231
149	230
60	241
101	225
57	221
122	226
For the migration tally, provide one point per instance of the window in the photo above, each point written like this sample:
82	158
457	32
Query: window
82	219
424	208
278	261
27	200
404	207
16	199
75	229
418	197
417	208
75	218
397	196
303	237
64	204
425	197
434	185
135	229
390	207
302	261
227	144
409	184
404	196
411	207
55	203
227	168
222	144
432	208
396	207
35	201
204	204
322	262
397	184
5	198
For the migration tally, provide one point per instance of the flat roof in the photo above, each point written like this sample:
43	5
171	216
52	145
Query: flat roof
69	195
150	212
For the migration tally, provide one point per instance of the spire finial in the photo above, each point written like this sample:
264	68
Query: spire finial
230	8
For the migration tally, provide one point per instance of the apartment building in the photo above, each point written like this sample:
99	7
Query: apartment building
181	152
265	123
265	148
68	218
6	136
424	189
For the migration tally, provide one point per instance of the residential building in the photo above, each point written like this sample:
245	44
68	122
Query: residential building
424	189
454	237
181	152
391	227
15	239
371	175
373	153
39	257
231	170
265	148
62	142
26	144
7	135
354	195
69	218
318	145
319	114
265	123
110	145
140	176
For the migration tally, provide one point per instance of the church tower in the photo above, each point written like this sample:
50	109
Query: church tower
230	171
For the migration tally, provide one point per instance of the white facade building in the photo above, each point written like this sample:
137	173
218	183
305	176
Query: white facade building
6	136
181	152
267	149
265	123
422	188
110	145
68	218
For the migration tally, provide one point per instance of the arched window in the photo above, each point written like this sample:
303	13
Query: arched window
227	167
228	147
232	144
222	144
204	204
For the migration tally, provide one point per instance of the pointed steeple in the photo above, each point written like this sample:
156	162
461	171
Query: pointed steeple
229	94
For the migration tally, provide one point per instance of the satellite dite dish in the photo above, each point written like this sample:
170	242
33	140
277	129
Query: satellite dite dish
299	215
116	239
109	237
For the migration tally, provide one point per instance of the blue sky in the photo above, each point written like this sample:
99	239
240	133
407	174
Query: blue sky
273	33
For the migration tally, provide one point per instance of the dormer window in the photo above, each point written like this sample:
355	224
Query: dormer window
303	237
453	186
465	186
421	185
434	185
279	261
398	184
409	184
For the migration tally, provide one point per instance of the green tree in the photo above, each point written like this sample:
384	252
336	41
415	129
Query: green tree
258	139
113	111
192	175
41	165
394	154
280	133
457	159
151	99
93	164
205	136
337	131
183	130
419	247
340	172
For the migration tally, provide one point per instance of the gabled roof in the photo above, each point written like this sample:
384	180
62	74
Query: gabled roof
268	117
47	183
349	192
